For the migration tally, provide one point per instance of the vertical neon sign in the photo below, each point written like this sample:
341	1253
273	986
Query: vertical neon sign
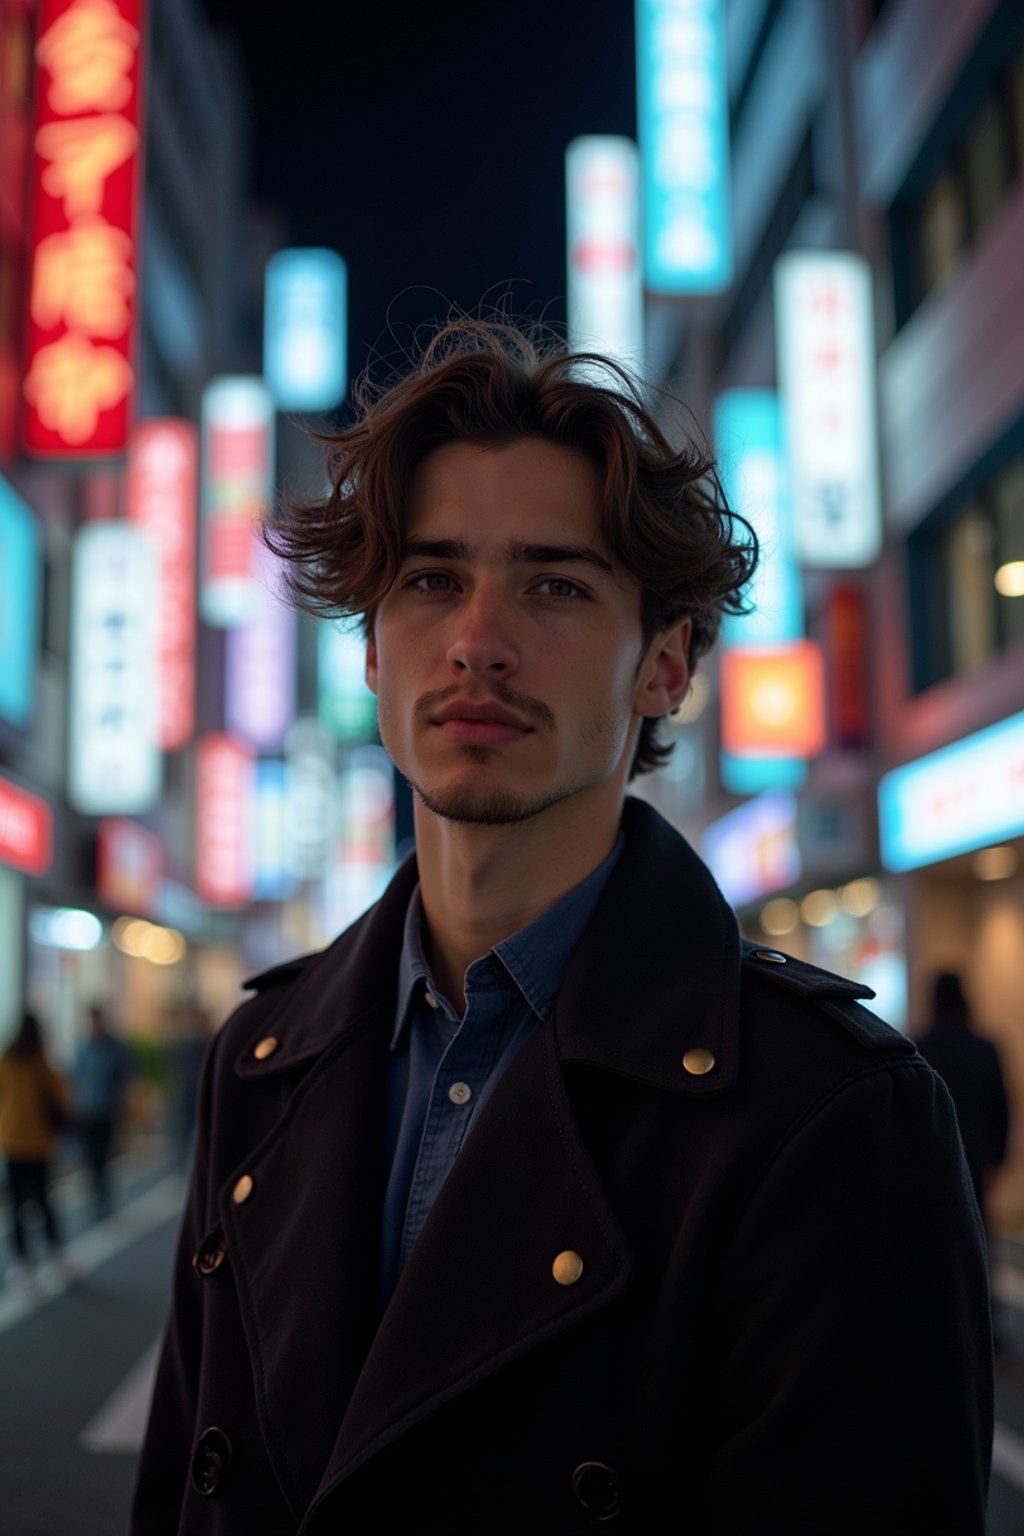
79	372
683	112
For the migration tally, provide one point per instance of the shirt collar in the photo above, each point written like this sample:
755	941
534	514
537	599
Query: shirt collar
535	957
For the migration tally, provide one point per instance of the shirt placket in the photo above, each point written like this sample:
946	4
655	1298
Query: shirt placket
461	1074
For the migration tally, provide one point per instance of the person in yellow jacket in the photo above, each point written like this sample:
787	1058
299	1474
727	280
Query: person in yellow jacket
34	1107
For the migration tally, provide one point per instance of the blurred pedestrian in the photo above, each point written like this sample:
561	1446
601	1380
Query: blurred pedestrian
969	1066
102	1071
192	1031
35	1108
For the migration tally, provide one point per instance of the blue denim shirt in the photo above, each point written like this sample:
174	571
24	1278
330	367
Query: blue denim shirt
443	1069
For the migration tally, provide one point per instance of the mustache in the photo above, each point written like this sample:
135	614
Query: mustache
497	693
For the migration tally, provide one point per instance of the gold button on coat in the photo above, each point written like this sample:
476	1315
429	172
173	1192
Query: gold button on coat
266	1047
698	1061
770	954
567	1268
242	1190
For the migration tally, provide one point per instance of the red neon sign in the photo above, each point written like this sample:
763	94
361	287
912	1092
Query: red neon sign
26	830
79	374
161	492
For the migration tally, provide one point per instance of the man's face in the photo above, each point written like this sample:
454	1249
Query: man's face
506	657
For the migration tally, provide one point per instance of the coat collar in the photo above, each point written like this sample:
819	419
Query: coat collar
664	947
661	936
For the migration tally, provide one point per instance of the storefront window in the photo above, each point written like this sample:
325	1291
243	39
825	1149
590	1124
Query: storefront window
972	607
971	184
966	576
1016	93
1008	496
943	233
987	168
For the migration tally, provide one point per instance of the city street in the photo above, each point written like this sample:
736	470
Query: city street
76	1365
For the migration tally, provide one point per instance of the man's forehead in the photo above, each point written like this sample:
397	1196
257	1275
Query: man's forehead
424	542
501	498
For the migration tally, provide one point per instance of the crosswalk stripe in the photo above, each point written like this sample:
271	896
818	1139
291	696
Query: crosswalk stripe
119	1425
98	1244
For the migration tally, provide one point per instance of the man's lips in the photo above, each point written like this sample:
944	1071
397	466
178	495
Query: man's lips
482	724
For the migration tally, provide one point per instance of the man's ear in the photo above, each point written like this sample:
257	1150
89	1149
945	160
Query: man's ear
371	663
665	674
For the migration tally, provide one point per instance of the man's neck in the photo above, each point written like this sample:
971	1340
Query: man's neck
479	884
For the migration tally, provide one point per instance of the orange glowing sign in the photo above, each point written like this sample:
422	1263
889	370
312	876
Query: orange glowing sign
83	258
773	700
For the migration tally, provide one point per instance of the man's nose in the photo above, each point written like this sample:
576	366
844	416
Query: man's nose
484	641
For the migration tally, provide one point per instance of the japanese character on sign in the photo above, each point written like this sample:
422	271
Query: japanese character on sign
71	381
82	154
83	276
89	52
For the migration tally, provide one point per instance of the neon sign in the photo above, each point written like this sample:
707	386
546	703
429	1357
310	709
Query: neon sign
682	108
826	365
79	373
160	497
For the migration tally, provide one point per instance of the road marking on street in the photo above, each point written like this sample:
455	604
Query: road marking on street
96	1245
1008	1456
1008	1285
119	1426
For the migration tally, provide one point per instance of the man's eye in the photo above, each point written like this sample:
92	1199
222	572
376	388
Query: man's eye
560	586
431	581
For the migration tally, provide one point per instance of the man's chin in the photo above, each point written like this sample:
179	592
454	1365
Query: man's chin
485	806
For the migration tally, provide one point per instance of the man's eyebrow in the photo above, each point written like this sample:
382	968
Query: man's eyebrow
519	553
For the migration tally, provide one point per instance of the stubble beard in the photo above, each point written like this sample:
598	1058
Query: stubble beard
484	807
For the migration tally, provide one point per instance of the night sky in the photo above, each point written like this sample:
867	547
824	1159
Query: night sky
425	142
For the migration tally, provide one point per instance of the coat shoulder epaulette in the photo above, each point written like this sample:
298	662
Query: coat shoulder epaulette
835	995
277	975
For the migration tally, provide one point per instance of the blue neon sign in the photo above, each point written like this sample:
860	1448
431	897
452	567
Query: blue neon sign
20	569
959	798
304	329
683	114
748	435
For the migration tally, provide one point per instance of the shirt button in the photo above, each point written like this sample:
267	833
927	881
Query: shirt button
431	999
460	1093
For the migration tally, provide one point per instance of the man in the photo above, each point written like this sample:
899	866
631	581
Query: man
102	1071
539	1200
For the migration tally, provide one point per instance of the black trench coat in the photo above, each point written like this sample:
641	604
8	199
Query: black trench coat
780	1318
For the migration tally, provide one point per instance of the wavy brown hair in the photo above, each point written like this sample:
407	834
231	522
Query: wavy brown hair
663	516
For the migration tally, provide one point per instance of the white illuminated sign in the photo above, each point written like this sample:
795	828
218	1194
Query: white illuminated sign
683	113
954	800
312	798
605	302
824	325
304	329
114	758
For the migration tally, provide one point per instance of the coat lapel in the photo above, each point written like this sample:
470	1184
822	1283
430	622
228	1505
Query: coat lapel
479	1290
305	1243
